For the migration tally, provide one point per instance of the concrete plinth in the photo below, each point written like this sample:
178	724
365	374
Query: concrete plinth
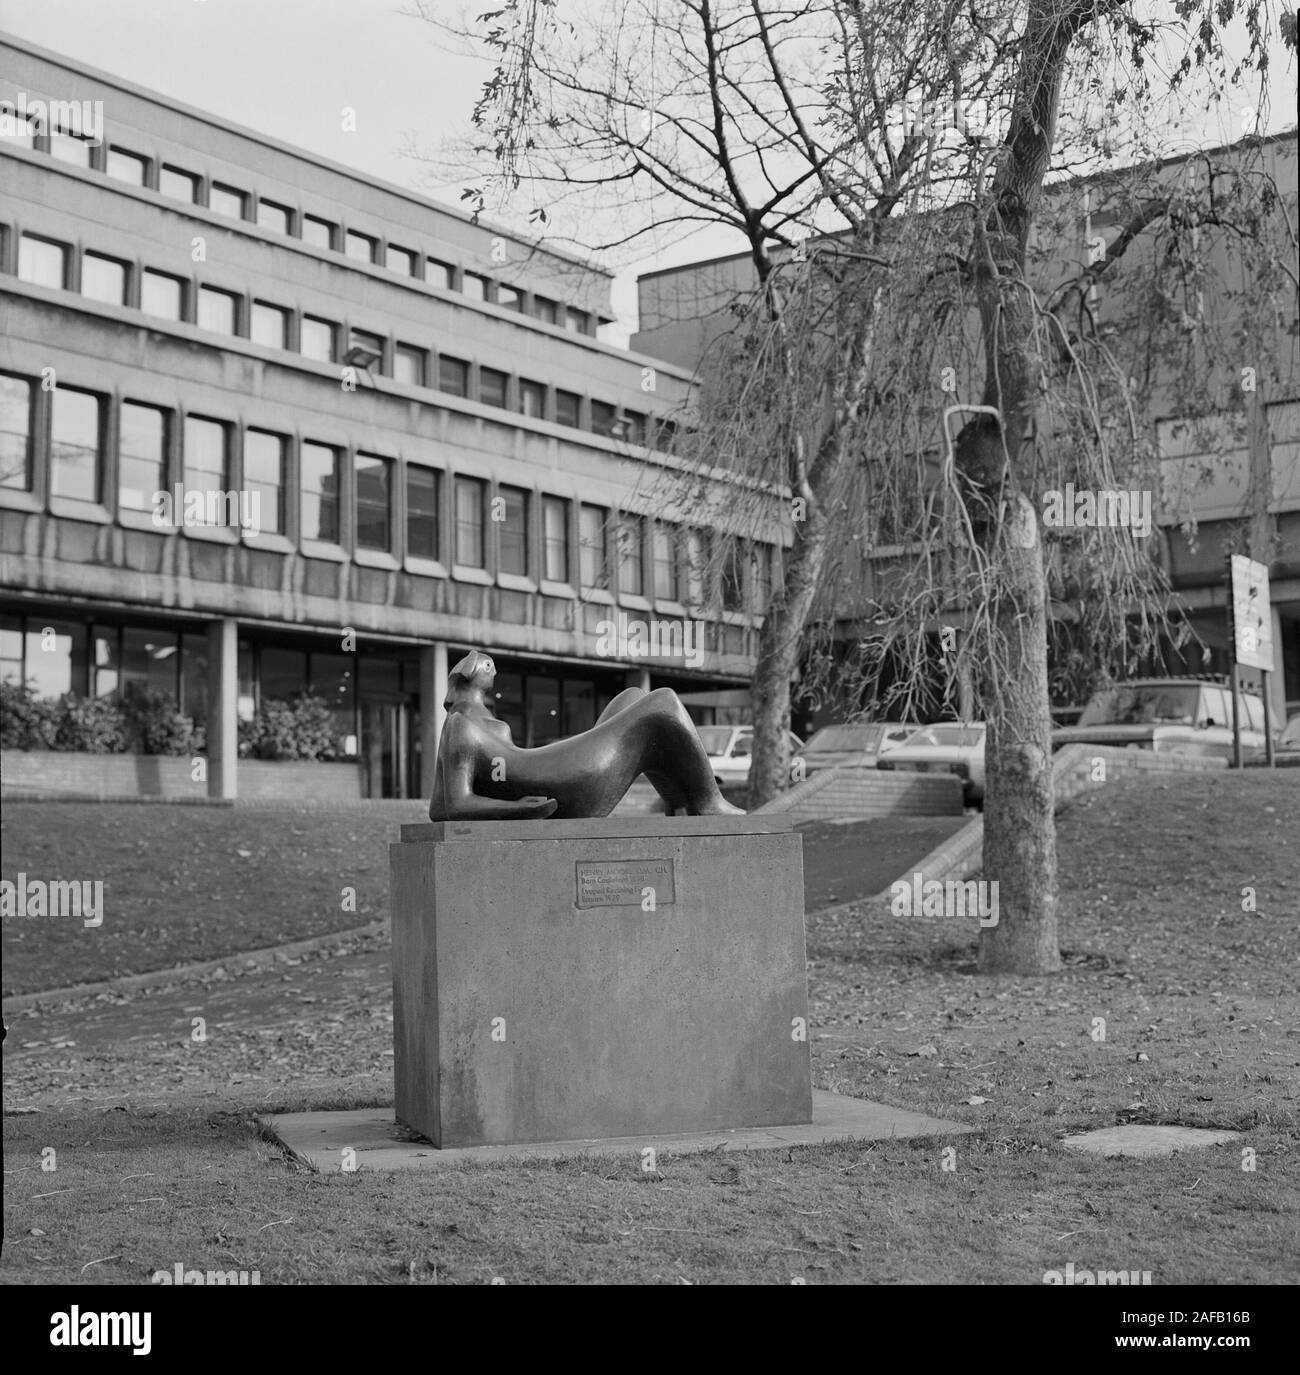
576	980
370	1138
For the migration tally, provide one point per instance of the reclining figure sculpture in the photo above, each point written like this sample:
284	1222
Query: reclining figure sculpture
481	775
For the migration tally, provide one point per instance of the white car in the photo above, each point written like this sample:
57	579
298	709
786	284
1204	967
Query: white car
730	749
948	747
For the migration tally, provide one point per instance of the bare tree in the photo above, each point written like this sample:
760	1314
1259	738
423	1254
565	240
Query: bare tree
890	246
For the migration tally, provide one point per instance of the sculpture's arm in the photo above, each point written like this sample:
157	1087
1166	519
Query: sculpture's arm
462	803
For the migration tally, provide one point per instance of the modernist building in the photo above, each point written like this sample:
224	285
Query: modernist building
390	435
1229	482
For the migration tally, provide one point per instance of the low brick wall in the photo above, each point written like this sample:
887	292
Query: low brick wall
861	794
53	774
1076	766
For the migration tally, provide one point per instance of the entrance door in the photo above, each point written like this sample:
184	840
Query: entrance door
386	755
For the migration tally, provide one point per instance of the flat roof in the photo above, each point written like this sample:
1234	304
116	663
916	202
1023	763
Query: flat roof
302	154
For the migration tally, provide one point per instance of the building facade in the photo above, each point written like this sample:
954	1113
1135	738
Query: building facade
1229	482
271	427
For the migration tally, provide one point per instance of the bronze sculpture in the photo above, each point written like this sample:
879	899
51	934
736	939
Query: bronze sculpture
481	775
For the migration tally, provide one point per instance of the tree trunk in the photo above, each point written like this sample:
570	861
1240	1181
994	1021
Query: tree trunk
1019	817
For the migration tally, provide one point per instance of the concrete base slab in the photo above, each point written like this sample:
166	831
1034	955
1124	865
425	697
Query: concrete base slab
1146	1141
378	1143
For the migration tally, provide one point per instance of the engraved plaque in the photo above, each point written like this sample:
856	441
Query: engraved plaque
619	882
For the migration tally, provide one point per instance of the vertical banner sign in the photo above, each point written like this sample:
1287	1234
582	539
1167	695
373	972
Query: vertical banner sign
1250	614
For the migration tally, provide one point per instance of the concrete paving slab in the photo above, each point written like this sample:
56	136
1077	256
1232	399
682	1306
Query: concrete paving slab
320	1138
1138	1140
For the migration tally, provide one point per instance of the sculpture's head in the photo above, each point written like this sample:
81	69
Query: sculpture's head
475	671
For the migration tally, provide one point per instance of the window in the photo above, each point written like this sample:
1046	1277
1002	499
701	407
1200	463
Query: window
475	287
70	148
400	260
409	364
272	215
665	558
179	185
24	134
128	167
492	386
150	659
11	649
635	427
374	492
16	433
264	455
555	539
665	433
532	399
162	295
59	668
514	531
141	455
697	555
361	248
270	325
439	273
42	261
631	576
603	418
319	233
317	339
453	375
592	543
422	500
510	297
761	571
733	579
470	494
577	321
227	201
206	458
549	311
218	310
103	279
74	445
568	407
320	493
373	344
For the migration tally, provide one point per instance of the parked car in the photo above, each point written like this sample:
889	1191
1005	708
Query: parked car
1286	749
946	747
1169	716
859	745
730	749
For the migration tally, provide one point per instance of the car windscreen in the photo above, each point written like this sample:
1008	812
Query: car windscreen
844	738
714	738
1140	706
946	735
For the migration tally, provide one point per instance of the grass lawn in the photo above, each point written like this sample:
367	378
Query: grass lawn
186	884
1202	1026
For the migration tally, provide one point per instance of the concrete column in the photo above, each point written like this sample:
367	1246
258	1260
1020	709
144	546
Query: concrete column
433	692
639	677
223	707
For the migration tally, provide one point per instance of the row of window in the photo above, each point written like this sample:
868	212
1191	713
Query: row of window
50	263
348	500
179	184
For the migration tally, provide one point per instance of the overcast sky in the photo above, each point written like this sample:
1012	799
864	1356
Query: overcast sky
287	68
